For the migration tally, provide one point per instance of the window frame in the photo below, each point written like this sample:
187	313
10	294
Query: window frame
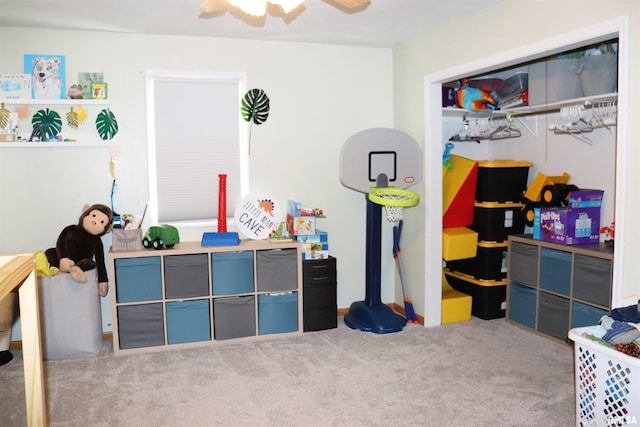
189	76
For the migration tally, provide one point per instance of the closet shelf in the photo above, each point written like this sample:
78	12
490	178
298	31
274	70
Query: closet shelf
530	109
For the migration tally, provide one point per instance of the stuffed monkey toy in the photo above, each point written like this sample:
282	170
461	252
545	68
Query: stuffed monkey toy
79	247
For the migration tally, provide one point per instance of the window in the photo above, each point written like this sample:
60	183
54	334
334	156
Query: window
195	133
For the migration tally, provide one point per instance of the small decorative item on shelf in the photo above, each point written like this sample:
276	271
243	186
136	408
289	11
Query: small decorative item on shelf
281	233
98	91
85	80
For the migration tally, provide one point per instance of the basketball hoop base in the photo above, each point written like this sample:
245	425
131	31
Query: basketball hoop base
379	319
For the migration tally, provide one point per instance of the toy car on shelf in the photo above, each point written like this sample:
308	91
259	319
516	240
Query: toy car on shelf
546	191
159	236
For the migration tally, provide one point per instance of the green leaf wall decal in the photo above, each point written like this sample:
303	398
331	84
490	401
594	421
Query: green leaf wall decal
49	120
106	124
255	106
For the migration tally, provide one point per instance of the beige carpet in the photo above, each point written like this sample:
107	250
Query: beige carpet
476	373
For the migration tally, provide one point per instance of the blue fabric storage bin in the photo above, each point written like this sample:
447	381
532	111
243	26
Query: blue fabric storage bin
585	315
188	321
555	270
232	273
277	313
138	279
522	305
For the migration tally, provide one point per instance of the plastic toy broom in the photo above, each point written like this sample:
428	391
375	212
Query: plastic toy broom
410	314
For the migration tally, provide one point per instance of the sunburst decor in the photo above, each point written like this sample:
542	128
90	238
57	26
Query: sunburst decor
23	111
82	114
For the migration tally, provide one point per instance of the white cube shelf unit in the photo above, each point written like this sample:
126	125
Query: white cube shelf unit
193	295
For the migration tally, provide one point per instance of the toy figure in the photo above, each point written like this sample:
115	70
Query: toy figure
79	247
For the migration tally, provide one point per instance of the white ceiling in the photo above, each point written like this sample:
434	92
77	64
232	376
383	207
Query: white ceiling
381	23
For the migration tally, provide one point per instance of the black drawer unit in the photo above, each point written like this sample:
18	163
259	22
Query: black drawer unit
320	305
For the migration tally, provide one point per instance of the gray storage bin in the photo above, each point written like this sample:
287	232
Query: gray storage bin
140	325
555	270
553	316
523	267
186	276
70	317
234	317
277	270
592	279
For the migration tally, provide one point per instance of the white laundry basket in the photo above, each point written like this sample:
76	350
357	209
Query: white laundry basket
607	383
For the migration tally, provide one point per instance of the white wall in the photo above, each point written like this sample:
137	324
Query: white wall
507	27
320	95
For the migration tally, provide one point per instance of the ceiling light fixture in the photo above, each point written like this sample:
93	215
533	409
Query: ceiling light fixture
259	7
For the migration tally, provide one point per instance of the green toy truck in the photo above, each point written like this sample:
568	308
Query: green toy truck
160	236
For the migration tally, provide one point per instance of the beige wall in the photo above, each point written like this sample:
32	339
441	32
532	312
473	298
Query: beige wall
320	96
471	39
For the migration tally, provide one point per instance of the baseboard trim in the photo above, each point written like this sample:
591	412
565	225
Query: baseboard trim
108	336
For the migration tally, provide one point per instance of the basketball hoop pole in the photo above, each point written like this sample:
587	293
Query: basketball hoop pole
371	315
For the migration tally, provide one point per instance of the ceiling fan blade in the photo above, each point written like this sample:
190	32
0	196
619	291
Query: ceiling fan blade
351	4
212	6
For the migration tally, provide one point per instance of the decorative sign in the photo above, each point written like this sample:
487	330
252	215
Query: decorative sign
257	216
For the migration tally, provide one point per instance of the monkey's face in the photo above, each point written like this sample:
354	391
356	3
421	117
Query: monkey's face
95	222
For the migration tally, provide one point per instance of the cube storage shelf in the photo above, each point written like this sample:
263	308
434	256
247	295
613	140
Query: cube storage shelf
192	295
553	288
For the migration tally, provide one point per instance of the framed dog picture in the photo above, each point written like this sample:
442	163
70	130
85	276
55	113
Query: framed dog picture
98	91
47	76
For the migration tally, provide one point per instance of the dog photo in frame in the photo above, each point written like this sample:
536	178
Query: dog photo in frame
47	76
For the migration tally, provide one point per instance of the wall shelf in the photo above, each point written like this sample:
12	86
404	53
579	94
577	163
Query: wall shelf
55	101
81	139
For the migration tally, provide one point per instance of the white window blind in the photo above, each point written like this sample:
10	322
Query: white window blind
195	136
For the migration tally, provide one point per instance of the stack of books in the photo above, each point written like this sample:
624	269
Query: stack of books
314	246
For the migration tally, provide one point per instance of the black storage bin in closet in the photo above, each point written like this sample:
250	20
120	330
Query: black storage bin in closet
186	276
140	325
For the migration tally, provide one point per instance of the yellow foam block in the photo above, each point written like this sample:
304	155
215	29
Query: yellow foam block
459	243
456	305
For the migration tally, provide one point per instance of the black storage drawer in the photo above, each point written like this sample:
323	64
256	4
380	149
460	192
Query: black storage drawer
319	298
319	319
319	266
320	295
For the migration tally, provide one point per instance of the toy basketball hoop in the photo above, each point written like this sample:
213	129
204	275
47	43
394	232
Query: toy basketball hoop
394	200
